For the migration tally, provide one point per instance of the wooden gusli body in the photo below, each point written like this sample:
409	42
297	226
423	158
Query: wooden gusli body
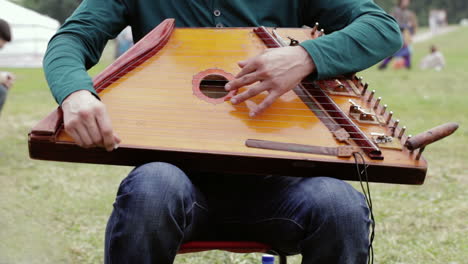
166	101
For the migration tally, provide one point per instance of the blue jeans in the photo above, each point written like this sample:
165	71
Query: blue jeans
3	95
158	207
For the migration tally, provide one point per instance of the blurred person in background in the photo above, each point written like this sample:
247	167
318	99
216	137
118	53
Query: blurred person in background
124	41
408	23
434	60
6	78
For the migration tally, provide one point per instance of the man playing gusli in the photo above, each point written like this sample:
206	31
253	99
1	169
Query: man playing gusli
158	206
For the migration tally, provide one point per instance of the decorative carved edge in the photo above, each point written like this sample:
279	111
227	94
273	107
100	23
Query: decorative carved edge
148	46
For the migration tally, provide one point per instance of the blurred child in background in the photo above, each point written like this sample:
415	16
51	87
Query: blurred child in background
434	60
408	23
6	78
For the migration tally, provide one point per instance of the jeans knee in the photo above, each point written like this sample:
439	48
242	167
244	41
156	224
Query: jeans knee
160	176
336	203
155	186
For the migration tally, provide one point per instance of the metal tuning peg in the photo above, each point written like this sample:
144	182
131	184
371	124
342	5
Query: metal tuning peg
293	42
360	79
339	87
389	117
402	132
394	127
364	89
377	103
408	138
371	96
314	29
384	109
322	32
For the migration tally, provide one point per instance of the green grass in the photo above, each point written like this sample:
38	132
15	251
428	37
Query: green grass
56	212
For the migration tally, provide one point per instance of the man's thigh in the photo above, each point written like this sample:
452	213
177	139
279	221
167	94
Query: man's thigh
280	211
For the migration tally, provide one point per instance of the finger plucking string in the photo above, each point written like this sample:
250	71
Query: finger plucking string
110	140
248	67
249	93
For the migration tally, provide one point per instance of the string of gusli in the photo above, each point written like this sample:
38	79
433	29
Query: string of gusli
167	101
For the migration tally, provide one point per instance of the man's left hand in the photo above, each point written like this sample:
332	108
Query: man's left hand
276	70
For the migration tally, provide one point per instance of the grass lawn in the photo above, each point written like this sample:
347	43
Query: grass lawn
56	212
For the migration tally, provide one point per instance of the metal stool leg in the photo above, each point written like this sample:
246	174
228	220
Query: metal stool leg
283	259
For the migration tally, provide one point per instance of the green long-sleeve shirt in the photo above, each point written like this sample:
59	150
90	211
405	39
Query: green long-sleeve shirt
362	34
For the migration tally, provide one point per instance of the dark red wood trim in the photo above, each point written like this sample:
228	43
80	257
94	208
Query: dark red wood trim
148	46
49	125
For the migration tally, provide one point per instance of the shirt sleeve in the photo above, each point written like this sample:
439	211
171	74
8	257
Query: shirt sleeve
358	35
79	43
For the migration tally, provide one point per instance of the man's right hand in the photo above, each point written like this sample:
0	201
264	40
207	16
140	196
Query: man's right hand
87	122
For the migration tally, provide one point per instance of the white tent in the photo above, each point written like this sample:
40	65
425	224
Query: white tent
31	32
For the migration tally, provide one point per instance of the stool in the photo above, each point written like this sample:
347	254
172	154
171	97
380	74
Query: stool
231	246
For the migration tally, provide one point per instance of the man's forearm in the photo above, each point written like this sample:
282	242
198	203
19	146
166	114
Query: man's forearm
65	68
78	45
370	36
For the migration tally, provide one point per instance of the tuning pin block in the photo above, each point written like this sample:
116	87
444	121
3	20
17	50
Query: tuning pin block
361	114
354	108
366	117
380	138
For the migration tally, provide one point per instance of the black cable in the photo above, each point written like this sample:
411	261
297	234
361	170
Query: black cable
367	195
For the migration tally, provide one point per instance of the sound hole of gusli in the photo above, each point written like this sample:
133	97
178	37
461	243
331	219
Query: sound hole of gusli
212	86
